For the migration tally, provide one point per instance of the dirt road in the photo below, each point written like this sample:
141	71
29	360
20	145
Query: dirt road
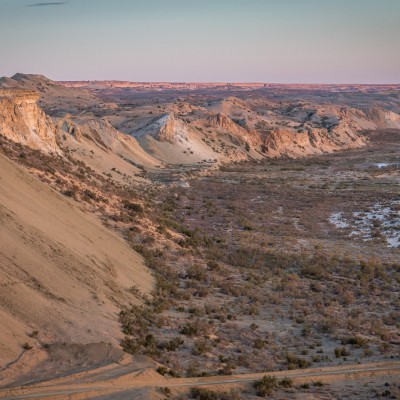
65	388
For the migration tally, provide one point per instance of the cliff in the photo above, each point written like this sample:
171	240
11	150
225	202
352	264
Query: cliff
23	121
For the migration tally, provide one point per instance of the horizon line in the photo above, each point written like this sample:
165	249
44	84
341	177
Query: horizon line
231	82
210	82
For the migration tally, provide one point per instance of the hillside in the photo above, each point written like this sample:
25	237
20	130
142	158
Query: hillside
125	128
263	241
23	121
62	273
53	97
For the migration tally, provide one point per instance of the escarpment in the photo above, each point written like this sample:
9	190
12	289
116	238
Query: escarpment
23	121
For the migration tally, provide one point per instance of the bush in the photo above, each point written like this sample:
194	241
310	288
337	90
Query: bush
88	195
213	265
305	386
162	370
341	352
130	345
70	192
203	394
194	328
266	385
259	343
197	273
166	391
207	394
135	207
356	341
286	382
294	361
201	346
165	371
171	345
189	330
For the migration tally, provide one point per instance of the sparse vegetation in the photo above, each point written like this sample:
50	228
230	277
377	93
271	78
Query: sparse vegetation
250	274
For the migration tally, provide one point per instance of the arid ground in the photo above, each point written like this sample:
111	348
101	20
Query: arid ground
156	238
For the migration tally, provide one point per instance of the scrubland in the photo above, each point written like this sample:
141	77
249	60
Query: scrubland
269	219
252	275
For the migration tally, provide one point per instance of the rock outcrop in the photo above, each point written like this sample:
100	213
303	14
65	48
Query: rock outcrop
187	130
384	119
166	132
222	121
23	121
166	129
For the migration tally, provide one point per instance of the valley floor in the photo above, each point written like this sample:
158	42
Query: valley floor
266	266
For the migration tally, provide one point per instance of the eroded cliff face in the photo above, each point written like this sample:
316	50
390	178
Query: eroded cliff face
166	132
23	121
326	131
217	130
317	141
221	120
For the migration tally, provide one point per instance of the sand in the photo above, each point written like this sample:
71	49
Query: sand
62	273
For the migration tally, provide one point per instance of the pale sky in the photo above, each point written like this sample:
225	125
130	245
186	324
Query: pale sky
283	41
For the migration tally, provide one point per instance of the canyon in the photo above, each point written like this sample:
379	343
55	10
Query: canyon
186	230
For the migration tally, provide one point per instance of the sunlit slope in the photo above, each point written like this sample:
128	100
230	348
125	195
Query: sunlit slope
61	272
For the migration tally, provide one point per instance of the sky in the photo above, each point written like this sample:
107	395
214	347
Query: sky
279	41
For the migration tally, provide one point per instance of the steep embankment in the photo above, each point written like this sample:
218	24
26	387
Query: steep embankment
221	130
92	140
291	130
173	141
62	273
23	121
103	148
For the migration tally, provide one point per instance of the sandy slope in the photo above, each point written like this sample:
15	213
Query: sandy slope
104	149
61	272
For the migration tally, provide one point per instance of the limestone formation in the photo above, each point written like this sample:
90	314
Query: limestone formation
23	121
